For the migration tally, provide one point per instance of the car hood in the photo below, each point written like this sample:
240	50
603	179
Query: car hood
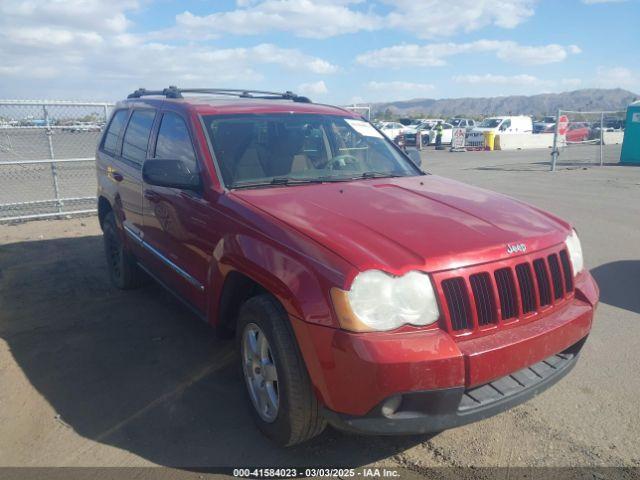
396	224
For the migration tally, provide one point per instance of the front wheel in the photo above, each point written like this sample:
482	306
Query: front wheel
284	405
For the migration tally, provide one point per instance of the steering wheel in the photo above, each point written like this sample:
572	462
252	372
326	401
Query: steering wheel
340	162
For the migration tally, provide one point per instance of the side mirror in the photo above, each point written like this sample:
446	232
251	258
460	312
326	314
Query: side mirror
415	157
170	173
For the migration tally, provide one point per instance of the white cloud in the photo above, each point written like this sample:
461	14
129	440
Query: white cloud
78	15
433	18
539	55
489	79
398	90
87	46
519	83
318	88
594	2
435	54
618	77
304	18
327	18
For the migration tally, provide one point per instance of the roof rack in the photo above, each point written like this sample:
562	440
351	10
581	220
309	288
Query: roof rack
175	92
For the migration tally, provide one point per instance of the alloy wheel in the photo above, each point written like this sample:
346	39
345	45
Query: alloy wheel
260	373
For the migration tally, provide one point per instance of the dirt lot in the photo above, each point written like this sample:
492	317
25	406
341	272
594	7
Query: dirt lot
90	376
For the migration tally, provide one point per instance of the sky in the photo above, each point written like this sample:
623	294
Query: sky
335	51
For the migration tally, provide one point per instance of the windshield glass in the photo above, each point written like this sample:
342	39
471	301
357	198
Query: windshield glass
455	121
256	149
490	122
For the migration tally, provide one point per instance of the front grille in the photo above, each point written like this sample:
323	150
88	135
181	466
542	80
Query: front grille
484	298
566	268
542	277
556	276
479	298
507	293
455	291
527	291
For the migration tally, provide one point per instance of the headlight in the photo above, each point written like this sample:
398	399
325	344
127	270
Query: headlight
575	252
379	301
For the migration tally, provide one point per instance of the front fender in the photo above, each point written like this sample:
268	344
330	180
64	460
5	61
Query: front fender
298	281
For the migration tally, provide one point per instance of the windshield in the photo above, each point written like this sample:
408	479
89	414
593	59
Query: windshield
254	150
455	121
490	122
549	119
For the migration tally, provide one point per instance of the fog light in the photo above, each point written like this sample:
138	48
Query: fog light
391	405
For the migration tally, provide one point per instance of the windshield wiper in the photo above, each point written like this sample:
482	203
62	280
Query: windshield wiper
275	181
331	178
379	175
279	181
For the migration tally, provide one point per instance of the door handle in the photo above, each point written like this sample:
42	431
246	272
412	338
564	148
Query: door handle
116	176
151	196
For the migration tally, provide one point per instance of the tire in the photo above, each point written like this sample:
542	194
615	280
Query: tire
297	416
123	269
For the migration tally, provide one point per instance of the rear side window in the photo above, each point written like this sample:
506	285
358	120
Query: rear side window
174	142
136	137
115	127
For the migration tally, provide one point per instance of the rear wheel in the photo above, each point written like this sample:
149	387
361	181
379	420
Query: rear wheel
123	269
284	405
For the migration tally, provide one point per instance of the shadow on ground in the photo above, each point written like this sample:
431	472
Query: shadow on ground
136	370
619	284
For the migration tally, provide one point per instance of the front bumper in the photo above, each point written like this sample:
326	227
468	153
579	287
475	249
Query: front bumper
436	410
353	374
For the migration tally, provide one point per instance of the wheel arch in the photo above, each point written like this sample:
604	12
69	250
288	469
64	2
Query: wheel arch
244	266
235	291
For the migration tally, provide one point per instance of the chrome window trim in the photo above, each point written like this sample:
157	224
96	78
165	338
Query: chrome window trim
138	239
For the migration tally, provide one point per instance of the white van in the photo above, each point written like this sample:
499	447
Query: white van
505	125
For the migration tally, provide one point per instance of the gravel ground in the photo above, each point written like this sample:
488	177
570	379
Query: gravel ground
91	376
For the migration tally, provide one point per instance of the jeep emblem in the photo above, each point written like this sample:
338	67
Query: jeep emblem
516	247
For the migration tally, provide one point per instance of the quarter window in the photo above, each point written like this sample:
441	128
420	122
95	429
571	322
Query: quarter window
113	132
174	142
136	137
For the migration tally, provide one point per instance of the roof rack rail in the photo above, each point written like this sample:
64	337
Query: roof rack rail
175	92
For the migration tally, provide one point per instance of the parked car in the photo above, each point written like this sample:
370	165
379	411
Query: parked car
392	129
409	135
504	125
576	132
81	127
466	123
544	125
614	123
447	134
360	290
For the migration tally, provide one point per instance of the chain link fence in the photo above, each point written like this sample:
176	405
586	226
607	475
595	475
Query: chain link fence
582	138
47	157
363	110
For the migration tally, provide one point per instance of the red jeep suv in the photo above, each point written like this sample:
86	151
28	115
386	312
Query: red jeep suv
361	291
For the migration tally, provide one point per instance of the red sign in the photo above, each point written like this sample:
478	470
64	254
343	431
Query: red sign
563	124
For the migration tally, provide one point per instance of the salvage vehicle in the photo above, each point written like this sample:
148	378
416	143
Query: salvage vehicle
466	123
447	134
392	129
544	125
576	132
361	291
504	125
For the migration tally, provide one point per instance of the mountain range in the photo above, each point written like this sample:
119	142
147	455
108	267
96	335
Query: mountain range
593	99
